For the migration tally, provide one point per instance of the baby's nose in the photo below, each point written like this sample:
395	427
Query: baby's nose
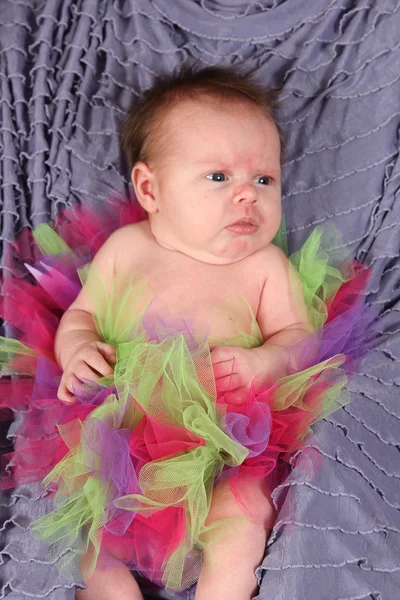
246	195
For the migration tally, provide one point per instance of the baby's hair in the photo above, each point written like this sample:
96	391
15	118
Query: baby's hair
142	135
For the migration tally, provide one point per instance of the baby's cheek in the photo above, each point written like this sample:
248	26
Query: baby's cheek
273	217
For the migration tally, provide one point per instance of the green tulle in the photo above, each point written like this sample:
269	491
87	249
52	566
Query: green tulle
320	280
49	242
168	381
10	350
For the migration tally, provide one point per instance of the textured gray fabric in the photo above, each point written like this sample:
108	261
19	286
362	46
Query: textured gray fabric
69	71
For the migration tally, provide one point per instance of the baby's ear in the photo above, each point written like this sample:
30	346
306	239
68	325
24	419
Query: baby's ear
142	179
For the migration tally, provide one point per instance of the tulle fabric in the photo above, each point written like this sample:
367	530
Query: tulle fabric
132	465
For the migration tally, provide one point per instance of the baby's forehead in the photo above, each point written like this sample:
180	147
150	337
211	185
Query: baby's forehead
202	117
207	122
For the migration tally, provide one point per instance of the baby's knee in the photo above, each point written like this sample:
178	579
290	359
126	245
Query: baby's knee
246	497
111	579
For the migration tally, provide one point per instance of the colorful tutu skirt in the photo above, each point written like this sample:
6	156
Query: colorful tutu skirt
132	465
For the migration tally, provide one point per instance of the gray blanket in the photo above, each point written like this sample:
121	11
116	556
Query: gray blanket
68	72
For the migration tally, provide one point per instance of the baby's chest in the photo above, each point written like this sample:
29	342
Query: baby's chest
219	300
217	307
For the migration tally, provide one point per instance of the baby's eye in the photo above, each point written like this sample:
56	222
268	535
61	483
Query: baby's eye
264	180
216	177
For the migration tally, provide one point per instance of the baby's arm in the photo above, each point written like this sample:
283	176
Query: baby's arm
79	351
283	317
283	320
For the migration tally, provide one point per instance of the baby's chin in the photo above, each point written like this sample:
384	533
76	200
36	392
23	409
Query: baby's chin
220	254
234	248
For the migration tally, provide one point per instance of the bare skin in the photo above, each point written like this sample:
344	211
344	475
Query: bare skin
213	294
195	264
112	579
231	563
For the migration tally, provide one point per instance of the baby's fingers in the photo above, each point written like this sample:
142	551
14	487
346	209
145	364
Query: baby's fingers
108	351
82	372
228	383
224	369
77	385
64	394
236	397
98	363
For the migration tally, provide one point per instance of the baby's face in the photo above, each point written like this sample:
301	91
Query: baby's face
223	167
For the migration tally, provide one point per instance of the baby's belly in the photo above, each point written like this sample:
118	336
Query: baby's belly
221	311
224	320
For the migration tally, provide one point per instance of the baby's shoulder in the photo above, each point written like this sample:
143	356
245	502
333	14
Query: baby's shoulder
128	237
271	259
274	252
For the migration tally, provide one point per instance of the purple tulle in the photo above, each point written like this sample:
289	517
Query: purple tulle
348	334
251	430
107	450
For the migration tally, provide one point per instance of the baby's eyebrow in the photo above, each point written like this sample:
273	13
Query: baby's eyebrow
217	163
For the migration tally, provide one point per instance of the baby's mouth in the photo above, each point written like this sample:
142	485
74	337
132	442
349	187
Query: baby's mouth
244	221
243	227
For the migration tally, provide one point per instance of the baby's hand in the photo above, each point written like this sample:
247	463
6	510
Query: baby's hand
234	370
90	361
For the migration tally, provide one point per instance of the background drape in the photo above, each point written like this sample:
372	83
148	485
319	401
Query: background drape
69	71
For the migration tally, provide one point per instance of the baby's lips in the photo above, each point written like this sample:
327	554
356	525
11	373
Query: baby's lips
245	221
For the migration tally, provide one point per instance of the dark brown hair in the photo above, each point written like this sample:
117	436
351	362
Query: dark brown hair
141	131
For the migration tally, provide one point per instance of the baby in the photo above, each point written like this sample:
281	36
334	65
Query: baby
205	156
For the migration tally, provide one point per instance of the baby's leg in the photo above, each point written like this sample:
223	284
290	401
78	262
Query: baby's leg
111	580
229	564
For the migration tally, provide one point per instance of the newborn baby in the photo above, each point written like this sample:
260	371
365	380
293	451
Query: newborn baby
205	156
